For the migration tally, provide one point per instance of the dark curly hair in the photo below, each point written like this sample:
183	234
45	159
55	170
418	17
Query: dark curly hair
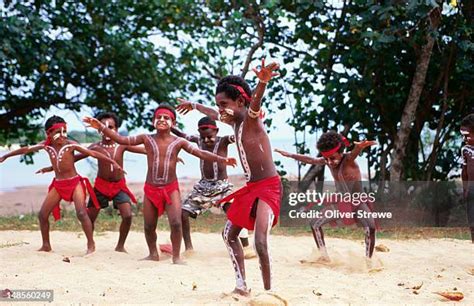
52	121
330	140
206	120
468	122
166	106
225	83
110	115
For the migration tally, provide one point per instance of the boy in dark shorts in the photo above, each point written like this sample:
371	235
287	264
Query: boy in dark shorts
161	186
110	184
214	184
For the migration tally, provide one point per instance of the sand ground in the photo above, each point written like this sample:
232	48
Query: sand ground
111	277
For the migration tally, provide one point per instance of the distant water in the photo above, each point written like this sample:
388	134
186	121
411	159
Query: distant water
15	174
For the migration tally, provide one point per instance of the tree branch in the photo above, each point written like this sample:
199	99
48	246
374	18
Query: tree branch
260	26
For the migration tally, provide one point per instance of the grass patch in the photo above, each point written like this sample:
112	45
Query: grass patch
109	220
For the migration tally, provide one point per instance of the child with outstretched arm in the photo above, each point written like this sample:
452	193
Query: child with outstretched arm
214	184
347	176
161	186
68	184
110	184
256	206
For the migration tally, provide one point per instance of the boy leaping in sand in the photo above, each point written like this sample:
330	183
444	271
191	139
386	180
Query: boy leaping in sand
257	205
347	176
467	131
161	186
214	184
67	184
110	184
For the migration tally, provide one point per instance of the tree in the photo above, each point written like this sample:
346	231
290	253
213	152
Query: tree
94	53
346	65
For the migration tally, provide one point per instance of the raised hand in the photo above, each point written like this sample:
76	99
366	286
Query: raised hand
44	170
184	106
284	153
92	122
266	72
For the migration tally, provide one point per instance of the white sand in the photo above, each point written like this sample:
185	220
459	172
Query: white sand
111	277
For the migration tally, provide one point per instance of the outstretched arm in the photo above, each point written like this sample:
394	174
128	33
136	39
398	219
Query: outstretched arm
98	155
205	155
359	146
21	151
303	158
264	75
123	140
186	106
136	149
77	157
182	134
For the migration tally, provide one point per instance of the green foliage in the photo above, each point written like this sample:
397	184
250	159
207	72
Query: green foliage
345	64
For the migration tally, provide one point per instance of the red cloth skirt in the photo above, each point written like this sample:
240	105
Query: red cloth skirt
268	190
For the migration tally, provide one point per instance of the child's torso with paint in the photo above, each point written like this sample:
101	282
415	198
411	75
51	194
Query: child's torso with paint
347	176
214	170
62	159
162	154
255	150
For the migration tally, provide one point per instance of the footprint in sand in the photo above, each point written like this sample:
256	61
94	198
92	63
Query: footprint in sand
267	299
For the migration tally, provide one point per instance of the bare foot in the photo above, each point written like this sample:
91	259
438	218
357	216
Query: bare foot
242	292
152	258
90	248
178	261
45	248
120	249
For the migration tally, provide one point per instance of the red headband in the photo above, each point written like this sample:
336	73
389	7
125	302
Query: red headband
165	112
53	127
207	126
330	152
56	126
242	92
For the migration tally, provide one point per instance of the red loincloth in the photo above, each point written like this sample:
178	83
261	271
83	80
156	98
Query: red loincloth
240	211
159	196
111	189
66	188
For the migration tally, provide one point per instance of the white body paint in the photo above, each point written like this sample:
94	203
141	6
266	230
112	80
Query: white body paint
105	146
156	179
242	154
215	167
58	155
467	152
239	279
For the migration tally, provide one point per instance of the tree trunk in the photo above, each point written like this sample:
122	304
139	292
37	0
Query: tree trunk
436	142
413	100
